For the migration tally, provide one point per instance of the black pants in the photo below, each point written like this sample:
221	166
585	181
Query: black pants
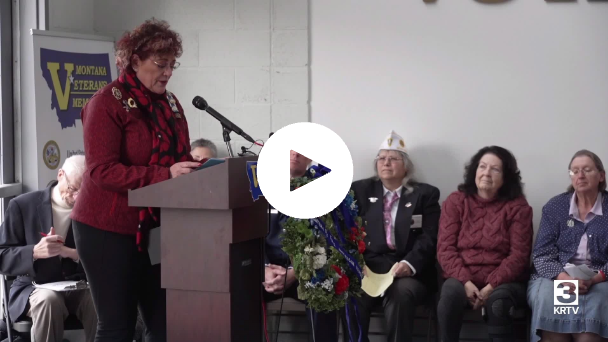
453	302
325	324
120	278
399	301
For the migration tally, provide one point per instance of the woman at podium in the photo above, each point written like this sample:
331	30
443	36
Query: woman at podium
135	135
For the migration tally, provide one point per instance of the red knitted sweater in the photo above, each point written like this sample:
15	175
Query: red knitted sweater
485	241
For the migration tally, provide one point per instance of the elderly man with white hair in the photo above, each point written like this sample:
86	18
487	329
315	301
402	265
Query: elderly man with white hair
37	245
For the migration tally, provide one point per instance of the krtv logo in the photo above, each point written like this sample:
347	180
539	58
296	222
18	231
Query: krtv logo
564	301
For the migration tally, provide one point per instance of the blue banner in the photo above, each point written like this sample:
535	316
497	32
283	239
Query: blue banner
252	174
352	263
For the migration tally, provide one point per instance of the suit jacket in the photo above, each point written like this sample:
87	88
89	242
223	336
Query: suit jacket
273	246
26	217
416	245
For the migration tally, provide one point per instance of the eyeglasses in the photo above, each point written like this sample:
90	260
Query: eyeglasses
585	171
164	66
70	187
390	159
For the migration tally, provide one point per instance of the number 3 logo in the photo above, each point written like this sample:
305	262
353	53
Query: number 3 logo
562	289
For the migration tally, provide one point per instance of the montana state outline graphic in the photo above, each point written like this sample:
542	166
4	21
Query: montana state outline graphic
73	78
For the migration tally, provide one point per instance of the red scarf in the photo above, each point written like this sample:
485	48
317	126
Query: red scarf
167	147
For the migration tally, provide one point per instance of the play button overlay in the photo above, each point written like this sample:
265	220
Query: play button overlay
317	143
328	170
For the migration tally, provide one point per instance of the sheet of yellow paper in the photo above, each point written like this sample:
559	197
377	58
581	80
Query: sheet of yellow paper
375	284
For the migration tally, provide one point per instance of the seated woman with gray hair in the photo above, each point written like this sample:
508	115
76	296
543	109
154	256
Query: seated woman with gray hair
401	218
573	232
203	149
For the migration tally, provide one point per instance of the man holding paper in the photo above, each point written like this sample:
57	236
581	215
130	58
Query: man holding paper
37	245
571	240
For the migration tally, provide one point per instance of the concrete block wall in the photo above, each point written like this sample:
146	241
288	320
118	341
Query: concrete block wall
247	58
238	55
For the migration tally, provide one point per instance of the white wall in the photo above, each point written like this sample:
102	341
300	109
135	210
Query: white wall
457	75
247	58
71	15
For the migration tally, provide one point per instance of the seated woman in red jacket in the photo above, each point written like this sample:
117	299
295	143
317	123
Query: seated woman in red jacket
485	238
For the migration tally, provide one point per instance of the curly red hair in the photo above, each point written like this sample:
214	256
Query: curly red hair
153	37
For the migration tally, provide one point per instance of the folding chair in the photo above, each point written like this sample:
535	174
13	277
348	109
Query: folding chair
23	327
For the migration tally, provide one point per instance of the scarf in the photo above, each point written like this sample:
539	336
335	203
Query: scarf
167	147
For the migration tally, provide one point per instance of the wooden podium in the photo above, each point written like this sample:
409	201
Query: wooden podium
212	235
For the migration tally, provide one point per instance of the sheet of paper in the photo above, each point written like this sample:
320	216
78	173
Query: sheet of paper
154	246
587	271
375	284
581	271
61	286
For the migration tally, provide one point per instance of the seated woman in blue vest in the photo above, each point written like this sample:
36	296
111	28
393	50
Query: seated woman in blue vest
573	231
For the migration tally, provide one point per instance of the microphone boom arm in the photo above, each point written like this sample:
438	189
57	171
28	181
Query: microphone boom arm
226	134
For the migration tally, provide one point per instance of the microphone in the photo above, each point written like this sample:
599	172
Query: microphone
201	104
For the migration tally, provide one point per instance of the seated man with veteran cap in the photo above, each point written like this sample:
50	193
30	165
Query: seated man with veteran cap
37	244
280	279
401	219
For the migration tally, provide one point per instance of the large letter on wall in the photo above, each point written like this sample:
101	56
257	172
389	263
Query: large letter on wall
63	95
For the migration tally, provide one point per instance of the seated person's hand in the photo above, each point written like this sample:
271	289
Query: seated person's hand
478	304
402	270
275	281
598	278
473	295
67	252
49	246
566	276
584	285
485	293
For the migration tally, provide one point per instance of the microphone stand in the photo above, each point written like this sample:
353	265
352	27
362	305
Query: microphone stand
226	133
